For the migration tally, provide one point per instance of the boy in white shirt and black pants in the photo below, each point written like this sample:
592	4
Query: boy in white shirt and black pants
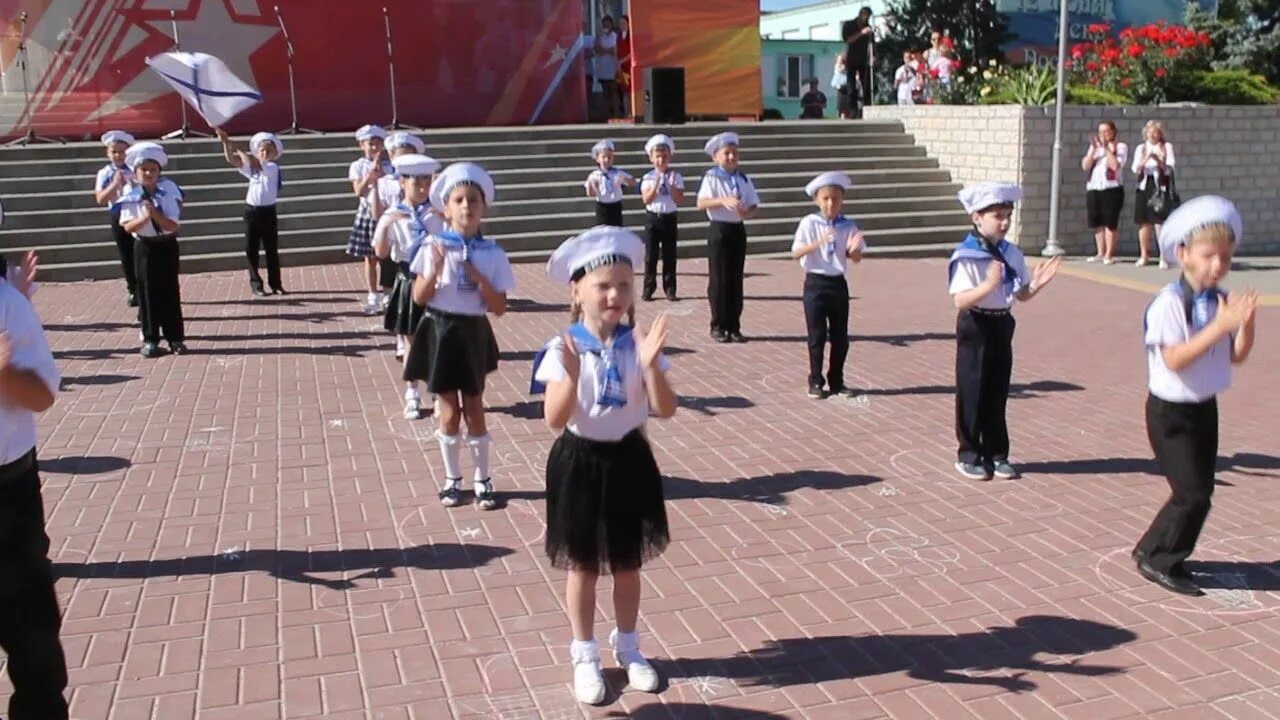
111	183
606	184
261	225
1193	333
729	198
29	615
986	274
824	241
662	190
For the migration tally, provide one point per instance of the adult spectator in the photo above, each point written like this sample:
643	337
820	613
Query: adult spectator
1104	192
857	35
813	106
840	83
606	55
1153	163
624	65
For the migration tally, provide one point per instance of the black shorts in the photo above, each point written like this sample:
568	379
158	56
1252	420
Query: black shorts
1104	207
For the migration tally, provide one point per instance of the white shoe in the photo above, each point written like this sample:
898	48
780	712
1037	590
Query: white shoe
1140	262
1164	265
400	348
1109	261
640	674
383	301
1095	258
412	407
371	304
588	681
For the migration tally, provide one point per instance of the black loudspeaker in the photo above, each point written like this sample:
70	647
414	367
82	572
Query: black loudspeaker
664	95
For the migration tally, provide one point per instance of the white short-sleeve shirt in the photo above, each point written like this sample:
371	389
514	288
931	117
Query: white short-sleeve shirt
264	184
30	351
1151	166
608	424
167	199
717	184
395	228
1166	326
104	178
1103	177
389	190
814	226
970	273
663	203
608	184
455	293
360	168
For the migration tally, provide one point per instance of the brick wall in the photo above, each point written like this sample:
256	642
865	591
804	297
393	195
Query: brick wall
1228	151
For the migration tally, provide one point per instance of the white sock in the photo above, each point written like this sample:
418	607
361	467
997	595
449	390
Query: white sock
410	390
451	449
584	650
626	642
371	298
479	447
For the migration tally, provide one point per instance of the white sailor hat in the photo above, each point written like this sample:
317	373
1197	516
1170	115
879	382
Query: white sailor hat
401	139
599	246
370	131
1193	215
455	175
827	179
415	165
658	140
979	197
718	141
256	141
602	145
146	150
111	137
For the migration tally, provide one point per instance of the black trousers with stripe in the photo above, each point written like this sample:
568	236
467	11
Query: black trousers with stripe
124	247
29	616
826	316
159	294
1184	437
262	230
726	263
661	236
984	365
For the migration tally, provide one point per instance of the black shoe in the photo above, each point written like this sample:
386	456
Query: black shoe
1172	583
973	472
647	297
133	300
1002	469
719	336
178	348
451	495
671	297
736	337
150	350
816	392
277	290
257	290
844	390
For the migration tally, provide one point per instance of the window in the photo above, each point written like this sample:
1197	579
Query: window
793	71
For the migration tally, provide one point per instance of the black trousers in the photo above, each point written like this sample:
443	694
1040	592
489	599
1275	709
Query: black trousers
262	230
29	617
863	75
984	363
661	235
726	262
826	315
609	213
1184	437
124	246
159	297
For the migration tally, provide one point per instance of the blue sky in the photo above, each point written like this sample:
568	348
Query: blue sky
772	5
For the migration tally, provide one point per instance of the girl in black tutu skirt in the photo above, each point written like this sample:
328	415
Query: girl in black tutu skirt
401	234
605	509
461	278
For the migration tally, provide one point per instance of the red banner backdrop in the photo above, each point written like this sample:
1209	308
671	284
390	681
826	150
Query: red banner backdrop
458	62
717	42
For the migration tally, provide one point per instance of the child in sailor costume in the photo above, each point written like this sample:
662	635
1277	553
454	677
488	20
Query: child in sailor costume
825	242
605	507
662	190
364	174
150	212
1194	332
606	185
986	274
261	223
728	197
401	234
112	183
461	277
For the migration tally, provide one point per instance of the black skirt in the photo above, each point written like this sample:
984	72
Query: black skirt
403	315
1103	207
1142	213
605	509
452	353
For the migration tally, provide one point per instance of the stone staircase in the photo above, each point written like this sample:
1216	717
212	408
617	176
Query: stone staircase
902	200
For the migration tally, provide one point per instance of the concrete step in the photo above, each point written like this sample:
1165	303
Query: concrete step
925	242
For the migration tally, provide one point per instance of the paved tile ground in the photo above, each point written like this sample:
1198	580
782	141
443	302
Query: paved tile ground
251	531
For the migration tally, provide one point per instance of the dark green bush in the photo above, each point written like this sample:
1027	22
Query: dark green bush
1222	87
1089	95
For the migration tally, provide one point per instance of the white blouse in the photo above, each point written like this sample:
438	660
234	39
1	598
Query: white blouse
1151	166
1103	177
608	424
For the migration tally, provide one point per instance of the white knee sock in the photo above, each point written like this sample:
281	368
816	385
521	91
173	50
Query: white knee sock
451	449
479	447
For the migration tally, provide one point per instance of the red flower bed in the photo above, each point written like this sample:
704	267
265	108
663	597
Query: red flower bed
1137	61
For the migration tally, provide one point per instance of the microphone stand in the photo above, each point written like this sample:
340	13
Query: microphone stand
30	135
391	69
185	131
293	128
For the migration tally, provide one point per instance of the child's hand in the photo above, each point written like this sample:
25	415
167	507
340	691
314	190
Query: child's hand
1044	272
569	357
222	135
1236	309
995	273
730	203
437	257
651	343
25	275
1251	306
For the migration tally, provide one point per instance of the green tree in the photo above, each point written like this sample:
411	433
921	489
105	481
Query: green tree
975	27
1246	35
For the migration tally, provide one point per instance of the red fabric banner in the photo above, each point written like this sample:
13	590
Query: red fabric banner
457	62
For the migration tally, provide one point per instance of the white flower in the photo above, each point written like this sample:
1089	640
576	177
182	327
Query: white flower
987	74
986	90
